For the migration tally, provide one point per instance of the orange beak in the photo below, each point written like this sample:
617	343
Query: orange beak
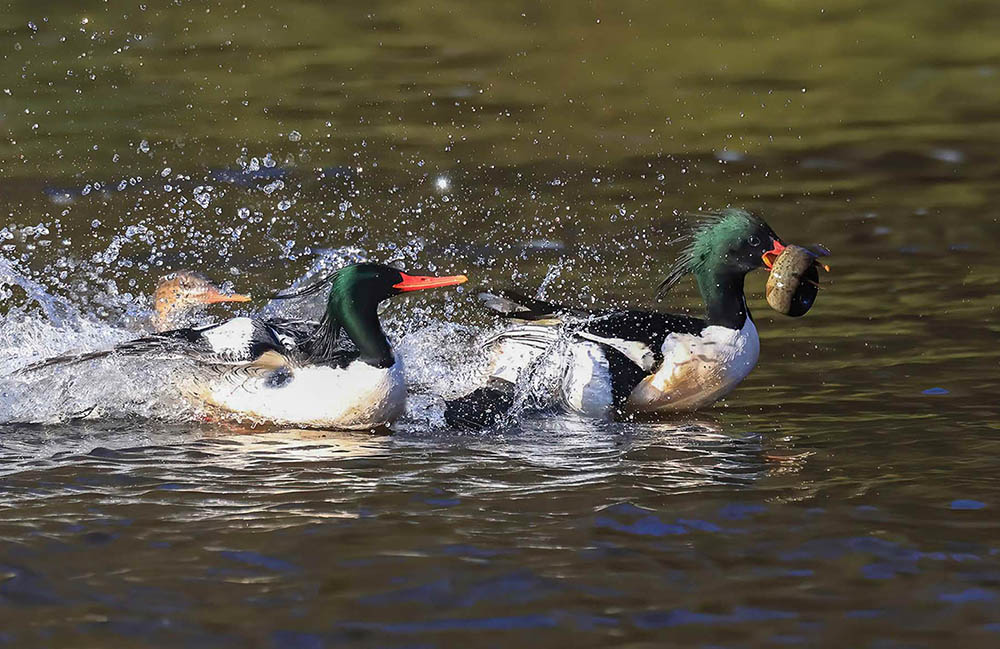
214	296
772	254
420	282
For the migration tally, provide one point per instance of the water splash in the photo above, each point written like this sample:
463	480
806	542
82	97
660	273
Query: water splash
153	387
57	310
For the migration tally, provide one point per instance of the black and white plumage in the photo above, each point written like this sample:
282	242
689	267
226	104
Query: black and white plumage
614	362
611	362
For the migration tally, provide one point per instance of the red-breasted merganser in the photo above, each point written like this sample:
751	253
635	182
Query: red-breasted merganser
622	362
339	373
180	295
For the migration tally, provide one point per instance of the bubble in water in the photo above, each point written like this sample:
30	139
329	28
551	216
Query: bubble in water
284	205
243	212
294	136
442	183
144	146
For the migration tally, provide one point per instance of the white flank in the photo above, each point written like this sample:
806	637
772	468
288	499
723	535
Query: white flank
698	370
353	398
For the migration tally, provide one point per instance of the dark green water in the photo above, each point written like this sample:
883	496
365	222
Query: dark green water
845	495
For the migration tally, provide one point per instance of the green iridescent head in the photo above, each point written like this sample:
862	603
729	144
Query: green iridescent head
728	242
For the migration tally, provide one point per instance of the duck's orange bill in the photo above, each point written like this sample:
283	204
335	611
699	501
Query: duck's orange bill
213	297
420	282
772	254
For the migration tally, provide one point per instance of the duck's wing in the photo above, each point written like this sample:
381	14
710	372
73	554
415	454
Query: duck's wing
270	369
239	340
637	335
236	341
631	341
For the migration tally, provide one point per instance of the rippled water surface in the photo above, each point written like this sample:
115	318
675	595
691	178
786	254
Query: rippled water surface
845	495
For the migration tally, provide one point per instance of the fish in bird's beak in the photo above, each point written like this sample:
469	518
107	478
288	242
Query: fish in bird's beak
420	282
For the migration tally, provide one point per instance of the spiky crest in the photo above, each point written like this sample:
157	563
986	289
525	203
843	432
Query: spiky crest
707	232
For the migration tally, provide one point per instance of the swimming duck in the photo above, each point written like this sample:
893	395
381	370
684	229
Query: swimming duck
625	362
342	374
180	295
338	373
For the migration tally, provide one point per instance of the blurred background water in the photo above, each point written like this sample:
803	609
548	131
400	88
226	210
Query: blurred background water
844	495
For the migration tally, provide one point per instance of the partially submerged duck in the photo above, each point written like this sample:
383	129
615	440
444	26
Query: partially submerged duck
338	373
625	362
181	295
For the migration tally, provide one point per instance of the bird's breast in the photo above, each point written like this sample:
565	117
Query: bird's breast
698	370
